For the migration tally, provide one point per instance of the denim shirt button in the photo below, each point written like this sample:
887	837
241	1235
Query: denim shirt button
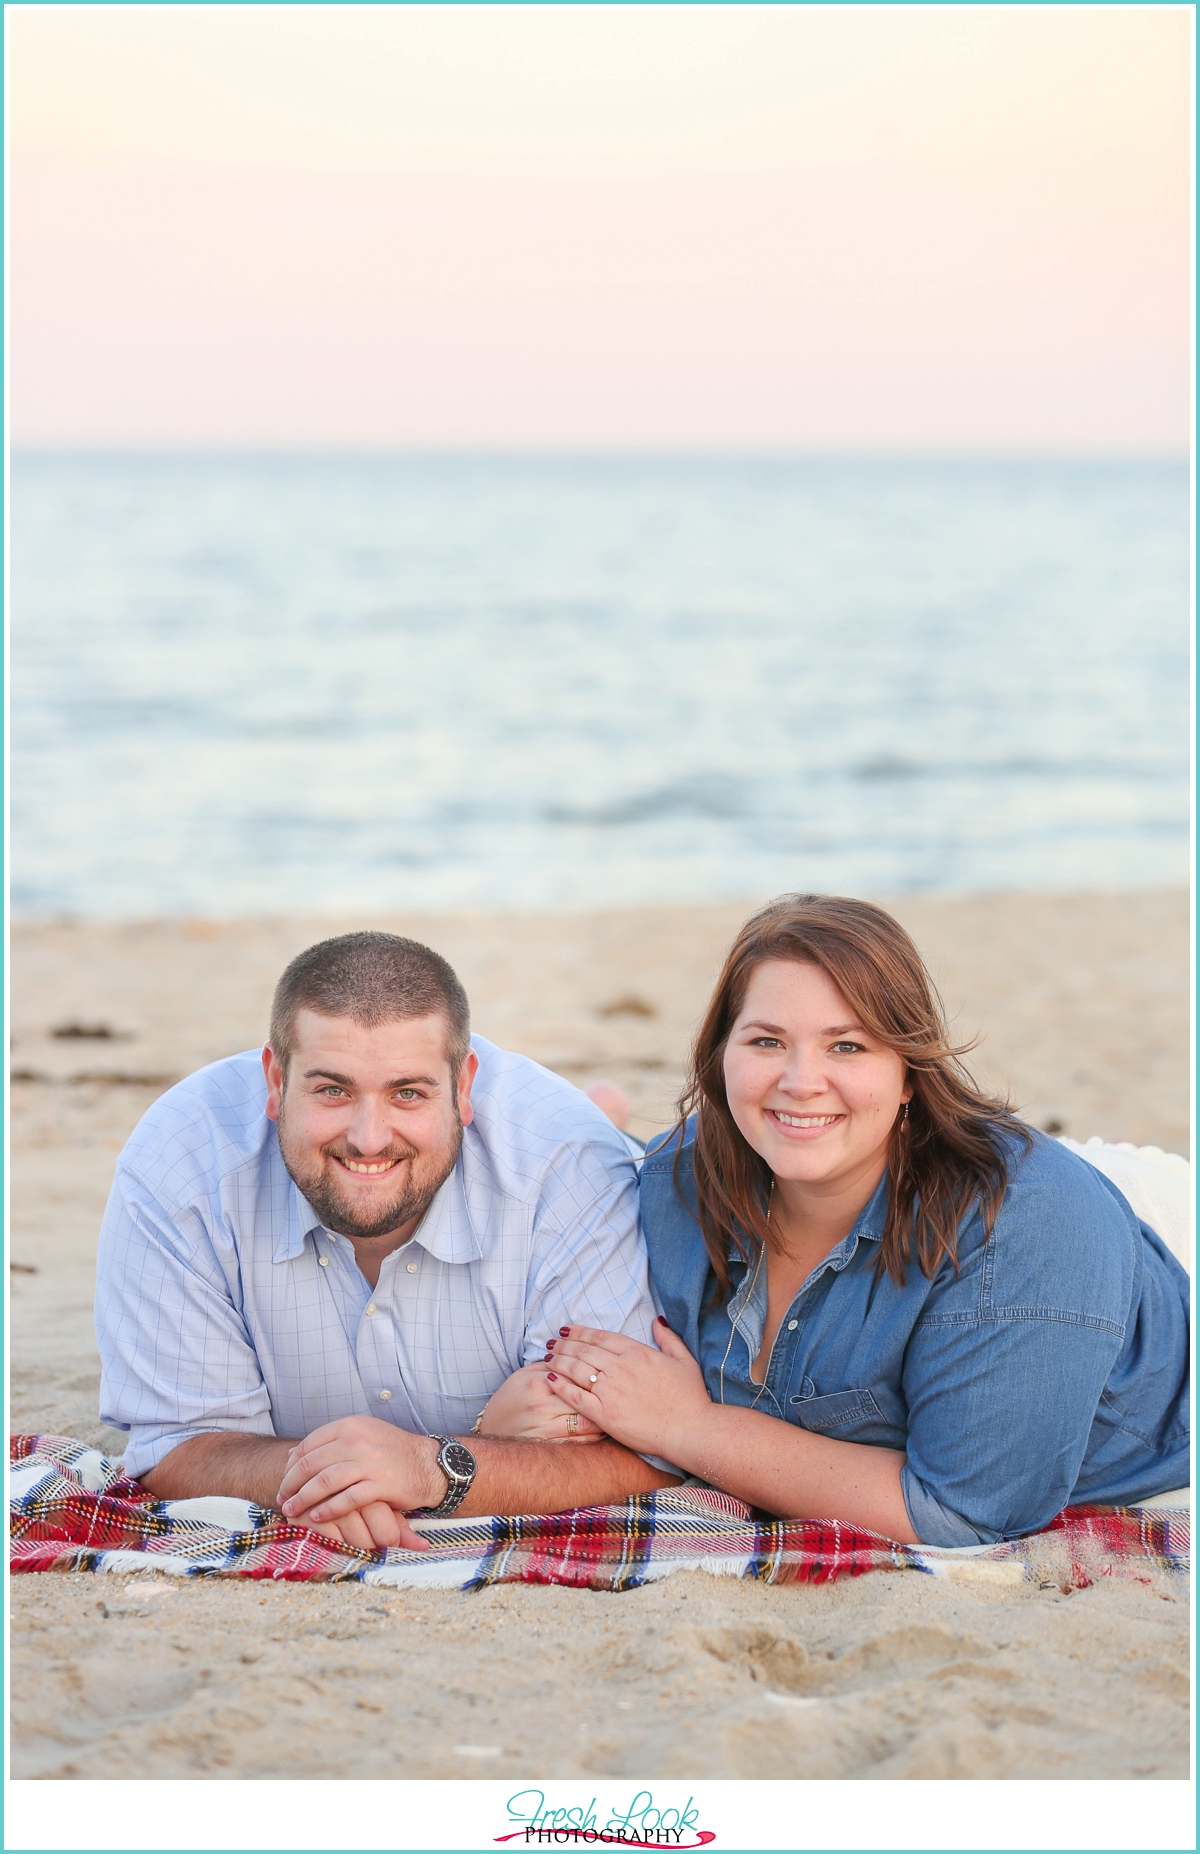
807	1389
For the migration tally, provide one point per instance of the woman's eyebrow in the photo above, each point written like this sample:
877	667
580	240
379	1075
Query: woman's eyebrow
778	1030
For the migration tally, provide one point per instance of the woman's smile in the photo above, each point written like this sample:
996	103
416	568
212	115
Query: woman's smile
802	1126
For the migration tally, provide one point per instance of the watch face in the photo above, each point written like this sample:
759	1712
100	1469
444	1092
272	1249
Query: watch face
457	1460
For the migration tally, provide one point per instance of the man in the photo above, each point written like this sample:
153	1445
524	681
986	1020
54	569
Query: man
336	1250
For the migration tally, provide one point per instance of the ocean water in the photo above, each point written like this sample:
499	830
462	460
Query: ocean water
245	685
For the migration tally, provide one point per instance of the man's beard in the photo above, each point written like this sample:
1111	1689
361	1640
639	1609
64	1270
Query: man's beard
423	1177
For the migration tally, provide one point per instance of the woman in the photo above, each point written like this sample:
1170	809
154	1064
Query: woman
887	1300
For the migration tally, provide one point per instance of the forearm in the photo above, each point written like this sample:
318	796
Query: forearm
551	1477
789	1471
248	1467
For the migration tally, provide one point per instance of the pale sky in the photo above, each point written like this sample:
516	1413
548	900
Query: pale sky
585	228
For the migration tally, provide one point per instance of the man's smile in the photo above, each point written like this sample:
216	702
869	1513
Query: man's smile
364	1168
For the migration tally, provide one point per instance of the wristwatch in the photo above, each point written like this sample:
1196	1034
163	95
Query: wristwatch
458	1465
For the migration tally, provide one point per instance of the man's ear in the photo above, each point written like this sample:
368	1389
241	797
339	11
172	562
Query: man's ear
274	1074
466	1075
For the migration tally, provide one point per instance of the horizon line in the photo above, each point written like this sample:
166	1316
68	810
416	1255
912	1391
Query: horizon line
566	454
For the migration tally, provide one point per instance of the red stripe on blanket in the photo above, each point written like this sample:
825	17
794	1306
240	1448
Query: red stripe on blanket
77	1511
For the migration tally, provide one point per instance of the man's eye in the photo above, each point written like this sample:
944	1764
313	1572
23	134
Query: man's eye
407	1094
331	1090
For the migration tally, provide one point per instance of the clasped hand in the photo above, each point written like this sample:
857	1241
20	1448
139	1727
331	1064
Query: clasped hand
650	1397
357	1477
525	1405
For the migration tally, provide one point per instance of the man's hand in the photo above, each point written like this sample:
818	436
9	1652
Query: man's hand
372	1528
249	1467
356	1465
525	1405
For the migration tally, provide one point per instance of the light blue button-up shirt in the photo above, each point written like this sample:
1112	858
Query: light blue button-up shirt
223	1303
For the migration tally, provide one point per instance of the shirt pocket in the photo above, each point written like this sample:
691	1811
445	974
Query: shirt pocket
847	1414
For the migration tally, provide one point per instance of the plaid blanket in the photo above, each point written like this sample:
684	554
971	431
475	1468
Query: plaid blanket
73	1510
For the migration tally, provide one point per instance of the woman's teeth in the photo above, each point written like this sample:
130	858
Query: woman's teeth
804	1120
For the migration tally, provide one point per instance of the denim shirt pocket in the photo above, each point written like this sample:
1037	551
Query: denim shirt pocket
845	1414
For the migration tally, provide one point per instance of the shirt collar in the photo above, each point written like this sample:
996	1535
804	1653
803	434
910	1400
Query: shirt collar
868	1226
446	1231
872	1216
299	1218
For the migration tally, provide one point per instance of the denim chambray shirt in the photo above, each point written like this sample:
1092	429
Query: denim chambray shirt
1051	1371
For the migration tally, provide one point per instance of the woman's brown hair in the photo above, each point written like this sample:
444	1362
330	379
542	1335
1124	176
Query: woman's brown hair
946	1155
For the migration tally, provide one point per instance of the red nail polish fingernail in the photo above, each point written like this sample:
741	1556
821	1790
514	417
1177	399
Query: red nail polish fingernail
550	1344
564	1332
552	1376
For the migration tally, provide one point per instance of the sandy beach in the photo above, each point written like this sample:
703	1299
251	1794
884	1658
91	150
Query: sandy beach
1080	1004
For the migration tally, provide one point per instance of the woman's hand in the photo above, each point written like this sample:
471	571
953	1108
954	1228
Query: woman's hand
525	1405
649	1397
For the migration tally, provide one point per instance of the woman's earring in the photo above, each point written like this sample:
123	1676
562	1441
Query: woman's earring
905	1113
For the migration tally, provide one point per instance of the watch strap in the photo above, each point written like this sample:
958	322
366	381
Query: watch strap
458	1484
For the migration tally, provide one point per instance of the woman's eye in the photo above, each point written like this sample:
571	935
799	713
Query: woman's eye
847	1049
766	1042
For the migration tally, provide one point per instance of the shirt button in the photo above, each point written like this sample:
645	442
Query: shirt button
792	1325
371	1310
323	1261
412	1268
385	1396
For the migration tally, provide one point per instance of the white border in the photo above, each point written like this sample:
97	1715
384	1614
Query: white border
1192	882
750	1816
356	1814
6	819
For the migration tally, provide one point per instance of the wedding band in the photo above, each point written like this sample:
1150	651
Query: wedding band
572	1422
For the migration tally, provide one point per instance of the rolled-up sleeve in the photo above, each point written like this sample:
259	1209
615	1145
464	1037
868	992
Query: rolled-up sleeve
998	1455
176	1358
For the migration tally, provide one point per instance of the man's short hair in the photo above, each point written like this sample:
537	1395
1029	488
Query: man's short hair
374	978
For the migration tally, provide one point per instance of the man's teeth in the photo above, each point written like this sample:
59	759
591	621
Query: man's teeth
355	1165
805	1120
